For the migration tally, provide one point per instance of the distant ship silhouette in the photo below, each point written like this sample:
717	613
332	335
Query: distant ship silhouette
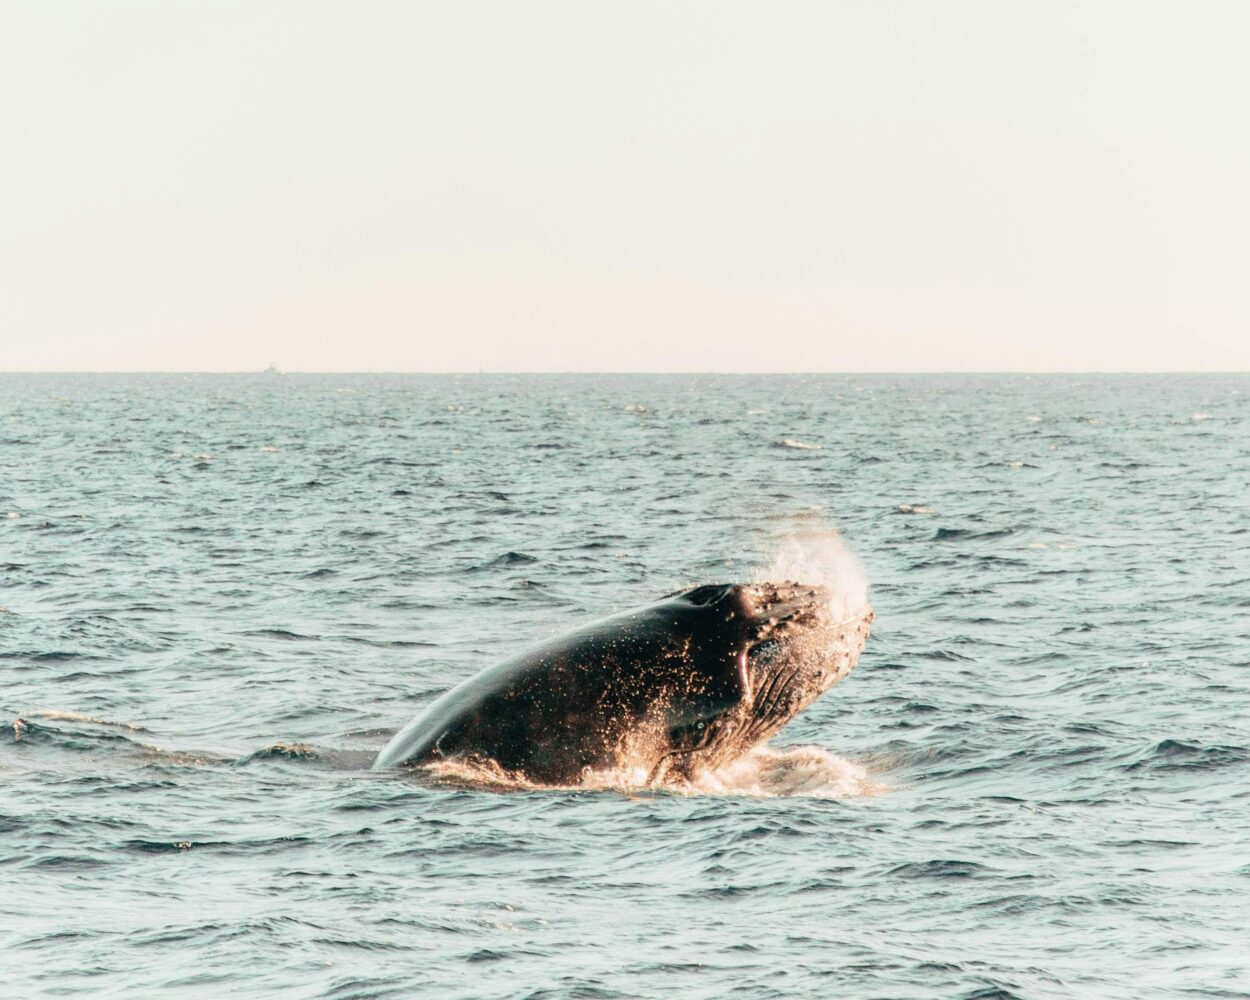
272	369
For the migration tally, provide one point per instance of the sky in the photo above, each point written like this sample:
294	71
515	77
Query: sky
875	185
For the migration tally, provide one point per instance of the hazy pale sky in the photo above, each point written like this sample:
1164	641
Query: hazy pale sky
828	186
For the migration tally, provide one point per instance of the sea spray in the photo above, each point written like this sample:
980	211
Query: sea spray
819	556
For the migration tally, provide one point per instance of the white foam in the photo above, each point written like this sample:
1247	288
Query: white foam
810	771
764	772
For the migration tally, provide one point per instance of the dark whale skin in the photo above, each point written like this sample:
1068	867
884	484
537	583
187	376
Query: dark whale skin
690	681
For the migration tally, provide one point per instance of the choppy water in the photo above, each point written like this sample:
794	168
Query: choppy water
1035	784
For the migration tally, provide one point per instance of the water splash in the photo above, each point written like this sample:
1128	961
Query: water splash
770	772
764	772
819	556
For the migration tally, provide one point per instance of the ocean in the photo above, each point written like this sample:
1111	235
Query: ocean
222	594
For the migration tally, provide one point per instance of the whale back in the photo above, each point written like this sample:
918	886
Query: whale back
565	704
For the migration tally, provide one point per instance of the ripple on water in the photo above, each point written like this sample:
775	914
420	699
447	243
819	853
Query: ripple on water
1029	787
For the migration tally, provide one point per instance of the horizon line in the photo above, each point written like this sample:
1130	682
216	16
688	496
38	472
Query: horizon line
536	371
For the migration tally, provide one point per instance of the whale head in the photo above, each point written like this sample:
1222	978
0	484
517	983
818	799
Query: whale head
784	645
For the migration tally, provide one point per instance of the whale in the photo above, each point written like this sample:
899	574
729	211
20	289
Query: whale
685	684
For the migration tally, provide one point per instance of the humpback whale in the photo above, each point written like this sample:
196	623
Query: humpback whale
687	683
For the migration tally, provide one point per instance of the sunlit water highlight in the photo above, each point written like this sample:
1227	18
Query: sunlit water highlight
223	594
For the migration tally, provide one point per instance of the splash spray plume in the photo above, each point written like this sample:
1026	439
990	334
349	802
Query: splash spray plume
821	557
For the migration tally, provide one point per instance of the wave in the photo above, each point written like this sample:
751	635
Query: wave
967	534
96	737
507	559
1181	755
57	715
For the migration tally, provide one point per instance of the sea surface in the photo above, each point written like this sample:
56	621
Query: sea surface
222	594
